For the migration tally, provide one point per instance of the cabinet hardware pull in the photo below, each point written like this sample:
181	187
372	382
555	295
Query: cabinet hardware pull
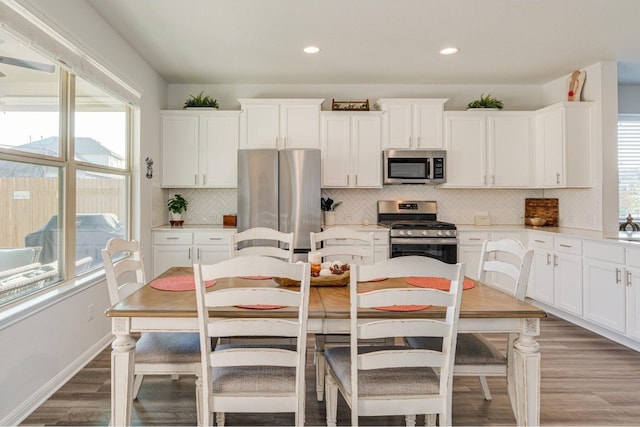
629	278
474	238
189	253
555	260
618	273
484	180
215	238
356	180
557	178
539	241
548	258
493	179
204	179
348	179
198	254
565	246
172	238
195	179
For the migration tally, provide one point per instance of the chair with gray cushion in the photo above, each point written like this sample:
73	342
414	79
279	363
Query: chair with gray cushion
500	260
379	380
157	353
253	378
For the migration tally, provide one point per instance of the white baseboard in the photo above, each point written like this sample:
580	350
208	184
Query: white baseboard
21	412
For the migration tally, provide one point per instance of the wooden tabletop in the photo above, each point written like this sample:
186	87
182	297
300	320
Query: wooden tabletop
332	302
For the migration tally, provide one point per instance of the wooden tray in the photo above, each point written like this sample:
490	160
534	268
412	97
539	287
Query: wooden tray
333	280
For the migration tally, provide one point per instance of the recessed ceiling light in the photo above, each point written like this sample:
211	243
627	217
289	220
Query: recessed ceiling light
311	49
449	51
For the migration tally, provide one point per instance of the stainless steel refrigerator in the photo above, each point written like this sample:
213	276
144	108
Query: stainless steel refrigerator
280	189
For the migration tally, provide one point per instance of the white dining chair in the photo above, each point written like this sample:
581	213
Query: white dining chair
156	353
354	246
258	378
396	380
504	260
262	241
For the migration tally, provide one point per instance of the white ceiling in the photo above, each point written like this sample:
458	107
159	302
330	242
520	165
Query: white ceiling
377	41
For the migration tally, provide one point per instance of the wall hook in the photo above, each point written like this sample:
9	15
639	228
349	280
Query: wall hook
149	167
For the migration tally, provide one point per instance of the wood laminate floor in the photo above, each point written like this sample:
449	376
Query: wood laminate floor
587	380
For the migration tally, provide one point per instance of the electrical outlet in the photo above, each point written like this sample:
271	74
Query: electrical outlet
91	312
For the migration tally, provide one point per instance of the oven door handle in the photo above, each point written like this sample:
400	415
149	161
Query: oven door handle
422	241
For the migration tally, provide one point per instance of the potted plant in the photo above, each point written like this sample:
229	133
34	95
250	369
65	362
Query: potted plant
328	207
177	205
201	101
487	101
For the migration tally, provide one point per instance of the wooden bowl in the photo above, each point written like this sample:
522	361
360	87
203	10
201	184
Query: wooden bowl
537	222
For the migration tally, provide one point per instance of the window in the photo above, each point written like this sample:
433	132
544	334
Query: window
629	166
57	157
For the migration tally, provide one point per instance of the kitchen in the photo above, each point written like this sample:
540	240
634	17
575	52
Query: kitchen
580	208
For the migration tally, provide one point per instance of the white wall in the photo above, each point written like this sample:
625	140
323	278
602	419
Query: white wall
56	339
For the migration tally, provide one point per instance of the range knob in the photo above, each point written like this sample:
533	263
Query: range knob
425	233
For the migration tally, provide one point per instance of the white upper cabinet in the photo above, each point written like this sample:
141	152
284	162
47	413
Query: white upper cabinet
280	123
412	123
351	150
563	145
199	148
488	149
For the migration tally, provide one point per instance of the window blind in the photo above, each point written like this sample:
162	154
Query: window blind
629	165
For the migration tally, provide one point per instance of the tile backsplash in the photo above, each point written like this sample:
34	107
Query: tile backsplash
207	206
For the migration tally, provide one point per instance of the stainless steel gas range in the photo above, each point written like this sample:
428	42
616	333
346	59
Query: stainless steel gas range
415	230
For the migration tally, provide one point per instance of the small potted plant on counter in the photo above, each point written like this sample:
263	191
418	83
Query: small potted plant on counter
177	205
487	101
328	207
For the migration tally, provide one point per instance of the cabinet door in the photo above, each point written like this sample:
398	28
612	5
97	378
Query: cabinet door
543	276
219	137
633	302
551	133
211	254
427	126
510	157
366	151
167	256
568	282
261	125
180	135
299	126
398	126
466	150
336	143
604	294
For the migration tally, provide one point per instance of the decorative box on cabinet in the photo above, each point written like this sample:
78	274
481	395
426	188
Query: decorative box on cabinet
351	150
488	149
280	123
563	145
604	285
412	123
199	149
182	248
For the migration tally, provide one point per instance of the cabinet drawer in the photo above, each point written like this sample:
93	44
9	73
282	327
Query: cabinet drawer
172	238
633	257
472	238
218	239
568	246
604	252
541	241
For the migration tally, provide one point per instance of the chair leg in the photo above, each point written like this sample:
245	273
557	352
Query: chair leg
137	383
485	388
320	365
220	419
199	416
430	420
410	420
331	400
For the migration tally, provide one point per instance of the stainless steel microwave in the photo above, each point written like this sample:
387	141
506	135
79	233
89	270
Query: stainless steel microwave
414	166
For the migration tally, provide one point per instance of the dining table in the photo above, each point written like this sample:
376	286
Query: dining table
484	309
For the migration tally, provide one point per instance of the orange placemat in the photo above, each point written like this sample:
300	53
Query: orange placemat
261	306
439	283
402	307
256	277
177	283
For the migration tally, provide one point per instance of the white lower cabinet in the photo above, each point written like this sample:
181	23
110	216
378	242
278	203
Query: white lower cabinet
556	273
632	282
604	285
183	248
